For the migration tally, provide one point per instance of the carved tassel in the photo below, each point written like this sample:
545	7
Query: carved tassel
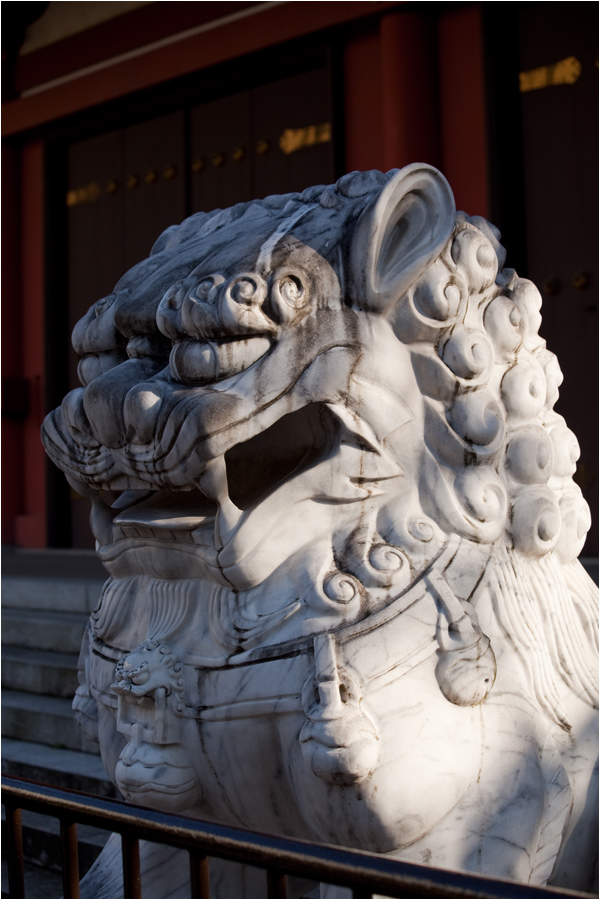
338	739
466	668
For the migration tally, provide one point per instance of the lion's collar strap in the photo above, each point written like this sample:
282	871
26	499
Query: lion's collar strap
453	578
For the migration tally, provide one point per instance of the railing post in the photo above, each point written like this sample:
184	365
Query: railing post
199	876
16	878
363	873
70	858
276	883
132	882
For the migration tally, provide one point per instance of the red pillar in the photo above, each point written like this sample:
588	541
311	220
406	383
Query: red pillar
462	107
409	90
12	451
362	102
391	94
30	523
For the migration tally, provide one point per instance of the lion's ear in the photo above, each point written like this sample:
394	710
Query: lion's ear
400	234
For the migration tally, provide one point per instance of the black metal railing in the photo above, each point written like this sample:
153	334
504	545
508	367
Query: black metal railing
364	873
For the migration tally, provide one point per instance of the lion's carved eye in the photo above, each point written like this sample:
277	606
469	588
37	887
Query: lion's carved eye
290	289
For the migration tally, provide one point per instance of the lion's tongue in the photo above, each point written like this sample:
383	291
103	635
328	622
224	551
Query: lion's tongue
181	511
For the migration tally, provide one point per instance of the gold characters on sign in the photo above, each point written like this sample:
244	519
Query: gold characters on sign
87	193
567	71
263	146
291	140
294	139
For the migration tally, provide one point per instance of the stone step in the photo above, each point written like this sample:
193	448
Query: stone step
52	562
41	841
44	720
39	671
40	883
62	768
57	594
43	630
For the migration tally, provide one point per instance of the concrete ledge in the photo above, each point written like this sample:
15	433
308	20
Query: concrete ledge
59	767
41	719
57	594
40	883
39	671
43	629
52	563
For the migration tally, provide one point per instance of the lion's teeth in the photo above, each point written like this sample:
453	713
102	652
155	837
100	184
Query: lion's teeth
192	362
235	356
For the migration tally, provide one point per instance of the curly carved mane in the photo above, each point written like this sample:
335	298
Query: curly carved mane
504	460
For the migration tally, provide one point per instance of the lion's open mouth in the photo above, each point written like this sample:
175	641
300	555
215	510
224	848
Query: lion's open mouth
254	469
293	444
203	362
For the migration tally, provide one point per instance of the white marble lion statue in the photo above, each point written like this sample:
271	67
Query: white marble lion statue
338	514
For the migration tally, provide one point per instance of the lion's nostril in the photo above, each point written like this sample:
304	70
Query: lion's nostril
292	291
